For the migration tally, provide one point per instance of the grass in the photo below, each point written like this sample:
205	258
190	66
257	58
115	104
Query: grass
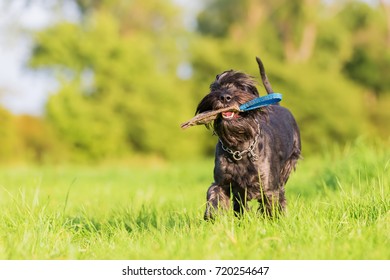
338	208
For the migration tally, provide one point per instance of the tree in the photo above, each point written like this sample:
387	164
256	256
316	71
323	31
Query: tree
386	7
10	142
119	91
370	59
292	24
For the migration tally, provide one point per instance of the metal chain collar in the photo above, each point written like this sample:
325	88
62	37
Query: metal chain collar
237	155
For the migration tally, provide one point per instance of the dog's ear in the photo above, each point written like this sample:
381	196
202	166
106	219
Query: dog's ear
252	89
216	84
220	76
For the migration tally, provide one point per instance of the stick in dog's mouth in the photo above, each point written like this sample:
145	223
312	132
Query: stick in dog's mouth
209	116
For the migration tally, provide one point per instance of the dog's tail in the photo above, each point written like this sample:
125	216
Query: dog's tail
264	78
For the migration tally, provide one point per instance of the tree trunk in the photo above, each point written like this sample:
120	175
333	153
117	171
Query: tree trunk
308	42
386	8
302	51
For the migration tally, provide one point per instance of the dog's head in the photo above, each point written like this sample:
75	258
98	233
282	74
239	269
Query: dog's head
232	88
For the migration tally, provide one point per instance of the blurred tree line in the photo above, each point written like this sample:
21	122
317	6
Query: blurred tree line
130	72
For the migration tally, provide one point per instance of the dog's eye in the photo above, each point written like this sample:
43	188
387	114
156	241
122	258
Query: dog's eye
249	89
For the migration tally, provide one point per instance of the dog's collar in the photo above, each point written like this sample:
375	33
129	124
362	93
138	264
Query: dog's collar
237	155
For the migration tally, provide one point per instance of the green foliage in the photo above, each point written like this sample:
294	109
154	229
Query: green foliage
338	208
7	134
327	112
27	139
219	16
120	94
370	60
37	142
370	68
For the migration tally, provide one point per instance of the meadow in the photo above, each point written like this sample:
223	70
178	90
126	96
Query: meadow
338	208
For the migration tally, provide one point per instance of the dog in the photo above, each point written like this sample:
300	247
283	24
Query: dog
256	150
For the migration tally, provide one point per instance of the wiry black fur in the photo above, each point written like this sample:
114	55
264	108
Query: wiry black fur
278	148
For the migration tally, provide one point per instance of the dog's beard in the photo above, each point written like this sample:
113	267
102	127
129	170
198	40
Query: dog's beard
238	131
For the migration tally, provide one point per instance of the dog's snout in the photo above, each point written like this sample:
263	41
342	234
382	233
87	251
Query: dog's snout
225	97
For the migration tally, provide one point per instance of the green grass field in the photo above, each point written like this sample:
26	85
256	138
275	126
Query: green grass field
338	208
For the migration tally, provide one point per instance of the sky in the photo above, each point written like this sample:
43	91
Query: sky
23	91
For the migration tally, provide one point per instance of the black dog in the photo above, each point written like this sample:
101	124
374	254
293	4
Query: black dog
256	150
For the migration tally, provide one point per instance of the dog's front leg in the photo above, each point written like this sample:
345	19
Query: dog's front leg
218	198
272	203
240	203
